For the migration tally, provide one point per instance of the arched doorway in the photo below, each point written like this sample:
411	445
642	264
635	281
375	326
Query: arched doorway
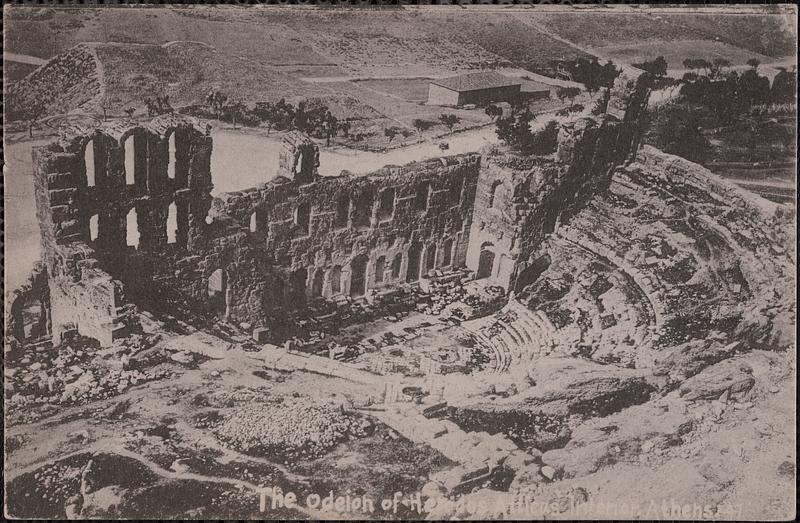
358	275
380	266
430	258
298	285
485	261
414	255
336	280
316	286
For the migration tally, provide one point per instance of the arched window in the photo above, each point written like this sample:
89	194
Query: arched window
94	227
130	160
456	188
386	208
302	219
342	211
380	266
172	156
88	161
494	194
447	252
362	214
172	223
132	229
421	196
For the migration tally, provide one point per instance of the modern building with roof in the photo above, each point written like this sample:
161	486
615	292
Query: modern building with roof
473	88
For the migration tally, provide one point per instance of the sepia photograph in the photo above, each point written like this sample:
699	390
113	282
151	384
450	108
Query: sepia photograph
362	261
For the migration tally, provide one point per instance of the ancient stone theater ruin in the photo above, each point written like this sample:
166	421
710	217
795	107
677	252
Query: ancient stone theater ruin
129	225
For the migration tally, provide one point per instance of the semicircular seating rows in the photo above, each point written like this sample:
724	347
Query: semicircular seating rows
514	335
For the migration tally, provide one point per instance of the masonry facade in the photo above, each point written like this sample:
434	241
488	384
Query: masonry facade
128	222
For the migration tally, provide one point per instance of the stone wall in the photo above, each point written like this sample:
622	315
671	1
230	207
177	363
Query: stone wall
256	255
522	199
348	235
27	312
87	190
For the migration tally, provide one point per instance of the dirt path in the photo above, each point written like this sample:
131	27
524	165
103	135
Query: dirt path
23	59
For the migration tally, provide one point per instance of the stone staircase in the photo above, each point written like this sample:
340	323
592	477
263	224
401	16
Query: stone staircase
514	334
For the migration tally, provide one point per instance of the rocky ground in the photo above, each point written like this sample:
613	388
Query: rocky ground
669	393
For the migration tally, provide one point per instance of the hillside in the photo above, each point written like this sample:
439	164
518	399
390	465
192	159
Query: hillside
767	34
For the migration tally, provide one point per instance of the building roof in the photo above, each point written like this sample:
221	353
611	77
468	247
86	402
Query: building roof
530	86
476	81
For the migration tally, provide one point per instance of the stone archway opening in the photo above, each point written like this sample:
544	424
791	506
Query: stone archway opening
298	287
318	283
414	262
485	261
336	280
358	276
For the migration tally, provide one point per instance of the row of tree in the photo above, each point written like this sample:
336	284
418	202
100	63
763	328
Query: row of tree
712	94
726	93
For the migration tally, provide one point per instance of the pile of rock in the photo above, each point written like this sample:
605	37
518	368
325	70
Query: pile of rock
289	430
69	374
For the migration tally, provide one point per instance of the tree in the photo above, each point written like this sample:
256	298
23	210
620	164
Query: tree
493	111
421	126
518	104
675	129
701	63
593	75
234	109
657	67
129	111
345	128
545	141
164	107
266	113
32	108
754	63
330	127
784	86
390	133
216	100
449	120
753	89
516	130
719	66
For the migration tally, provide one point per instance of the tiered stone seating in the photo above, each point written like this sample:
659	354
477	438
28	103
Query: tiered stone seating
513	334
